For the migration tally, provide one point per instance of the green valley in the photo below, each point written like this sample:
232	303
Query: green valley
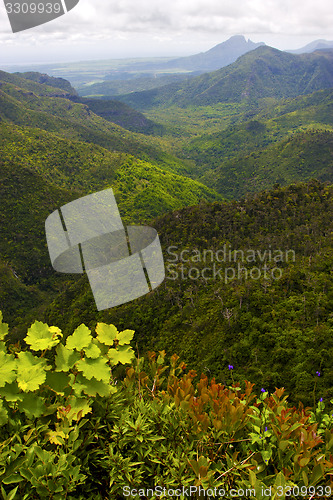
50	142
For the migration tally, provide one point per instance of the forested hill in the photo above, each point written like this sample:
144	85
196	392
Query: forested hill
113	111
32	84
265	310
51	81
263	72
54	150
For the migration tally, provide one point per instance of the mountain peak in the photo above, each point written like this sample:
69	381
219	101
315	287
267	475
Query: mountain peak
234	47
217	57
238	40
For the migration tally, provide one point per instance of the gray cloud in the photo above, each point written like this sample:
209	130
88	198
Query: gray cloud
94	22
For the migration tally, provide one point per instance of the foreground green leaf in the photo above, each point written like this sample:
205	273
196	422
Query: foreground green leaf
33	406
40	336
3	328
123	354
81	338
30	371
125	337
106	334
96	368
7	368
65	358
3	414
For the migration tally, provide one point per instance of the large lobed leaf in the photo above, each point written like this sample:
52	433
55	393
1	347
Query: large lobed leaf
31	371
123	354
80	339
8	366
125	337
65	358
106	334
41	336
96	368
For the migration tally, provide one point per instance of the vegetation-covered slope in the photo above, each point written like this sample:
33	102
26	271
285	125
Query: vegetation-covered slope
112	111
25	103
262	127
270	319
23	81
44	164
121	114
51	81
301	157
71	164
27	279
256	323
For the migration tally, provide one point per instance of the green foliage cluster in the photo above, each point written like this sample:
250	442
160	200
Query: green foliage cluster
74	426
44	398
148	191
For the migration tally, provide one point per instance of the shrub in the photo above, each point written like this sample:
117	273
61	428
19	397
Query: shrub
70	429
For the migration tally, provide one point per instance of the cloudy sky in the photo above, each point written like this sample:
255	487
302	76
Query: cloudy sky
101	29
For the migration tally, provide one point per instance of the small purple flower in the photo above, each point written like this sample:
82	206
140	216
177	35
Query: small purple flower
265	429
230	367
318	374
263	390
320	399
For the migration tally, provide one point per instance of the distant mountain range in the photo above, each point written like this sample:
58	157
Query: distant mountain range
262	73
315	45
219	56
149	75
123	76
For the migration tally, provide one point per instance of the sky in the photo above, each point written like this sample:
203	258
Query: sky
103	29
